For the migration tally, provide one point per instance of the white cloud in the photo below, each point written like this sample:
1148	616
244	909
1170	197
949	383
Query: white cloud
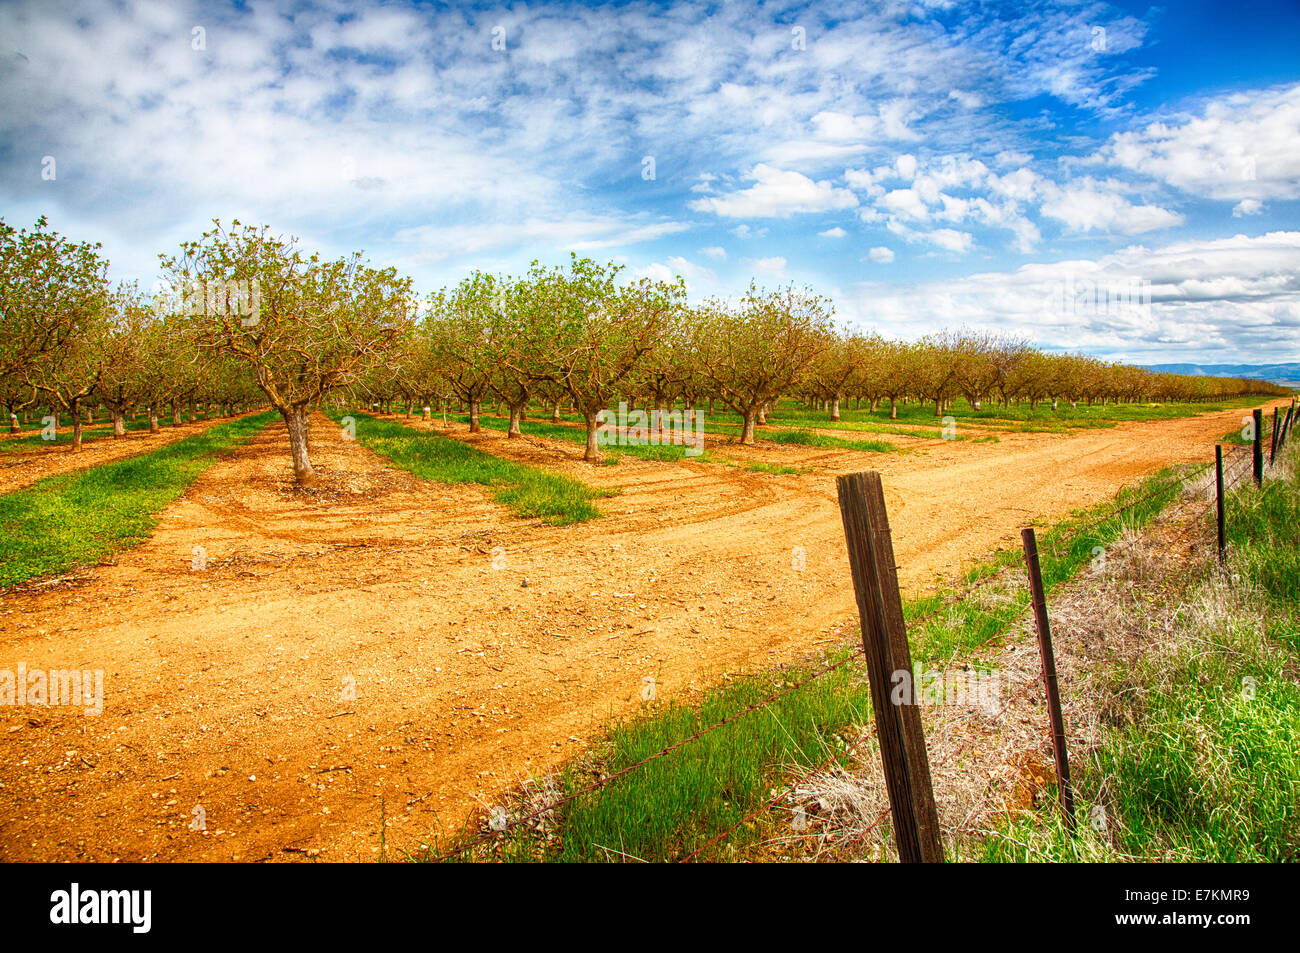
881	255
951	239
1089	204
1242	146
905	203
773	267
700	281
1229	300
947	239
777	193
835	232
715	251
1247	207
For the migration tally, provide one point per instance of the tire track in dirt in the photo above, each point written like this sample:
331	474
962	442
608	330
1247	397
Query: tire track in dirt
226	687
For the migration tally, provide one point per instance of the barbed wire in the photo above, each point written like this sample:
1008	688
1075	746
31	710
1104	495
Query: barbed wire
668	749
955	598
767	804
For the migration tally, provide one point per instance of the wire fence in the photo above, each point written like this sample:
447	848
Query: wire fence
1238	468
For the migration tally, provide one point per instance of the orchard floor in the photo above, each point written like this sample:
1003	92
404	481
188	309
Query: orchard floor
23	465
369	649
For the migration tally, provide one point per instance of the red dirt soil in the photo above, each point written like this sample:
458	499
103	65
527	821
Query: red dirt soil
226	688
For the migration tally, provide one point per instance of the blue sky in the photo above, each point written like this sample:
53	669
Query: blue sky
1118	178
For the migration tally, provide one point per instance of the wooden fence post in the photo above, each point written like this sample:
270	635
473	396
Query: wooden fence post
1049	674
1258	449
1218	483
889	659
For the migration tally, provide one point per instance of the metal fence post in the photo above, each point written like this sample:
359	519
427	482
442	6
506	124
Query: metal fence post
1049	675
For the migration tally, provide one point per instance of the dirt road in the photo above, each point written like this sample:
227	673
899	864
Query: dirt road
375	640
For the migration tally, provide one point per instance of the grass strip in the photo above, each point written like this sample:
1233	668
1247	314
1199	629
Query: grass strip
526	491
1199	759
78	518
535	428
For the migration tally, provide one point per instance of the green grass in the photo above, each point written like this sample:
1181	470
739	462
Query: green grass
674	805
778	469
810	438
915	420
669	452
1063	549
64	435
65	521
526	491
578	435
1196	766
794	412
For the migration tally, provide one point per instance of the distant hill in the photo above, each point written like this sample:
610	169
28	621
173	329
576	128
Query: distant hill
1288	375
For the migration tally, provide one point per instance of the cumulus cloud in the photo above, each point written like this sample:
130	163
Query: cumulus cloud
1089	205
880	255
1240	146
835	232
777	193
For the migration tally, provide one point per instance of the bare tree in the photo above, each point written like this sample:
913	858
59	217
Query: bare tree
754	353
597	331
303	325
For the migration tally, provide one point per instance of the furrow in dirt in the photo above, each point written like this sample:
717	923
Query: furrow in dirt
368	643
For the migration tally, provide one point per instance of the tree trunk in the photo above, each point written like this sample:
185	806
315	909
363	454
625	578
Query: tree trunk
153	419
176	414
747	434
76	425
762	414
555	413
119	424
835	409
893	409
295	421
475	408
516	415
13	423
592	454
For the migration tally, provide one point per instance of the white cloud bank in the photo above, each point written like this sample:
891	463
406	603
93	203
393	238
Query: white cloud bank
1210	301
